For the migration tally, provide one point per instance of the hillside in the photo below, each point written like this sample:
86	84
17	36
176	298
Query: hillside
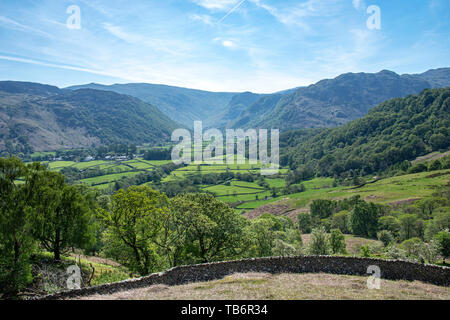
180	104
332	102
35	117
396	130
328	103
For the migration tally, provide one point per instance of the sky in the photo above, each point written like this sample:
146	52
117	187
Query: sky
219	45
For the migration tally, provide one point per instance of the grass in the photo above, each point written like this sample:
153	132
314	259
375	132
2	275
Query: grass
263	286
223	190
59	164
109	177
246	184
386	191
276	183
90	164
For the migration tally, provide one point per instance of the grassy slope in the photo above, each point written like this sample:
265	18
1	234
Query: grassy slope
386	191
258	286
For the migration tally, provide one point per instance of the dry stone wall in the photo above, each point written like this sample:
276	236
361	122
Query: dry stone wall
390	269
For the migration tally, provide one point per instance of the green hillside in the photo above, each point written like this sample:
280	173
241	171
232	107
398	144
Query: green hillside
34	117
395	131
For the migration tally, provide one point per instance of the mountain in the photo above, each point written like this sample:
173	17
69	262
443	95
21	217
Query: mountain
328	103
237	105
396	130
180	104
437	78
36	117
333	102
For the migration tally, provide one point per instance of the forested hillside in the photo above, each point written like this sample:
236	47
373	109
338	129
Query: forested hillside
396	130
35	117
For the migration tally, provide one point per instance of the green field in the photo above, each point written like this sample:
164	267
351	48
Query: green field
234	192
385	191
109	178
249	195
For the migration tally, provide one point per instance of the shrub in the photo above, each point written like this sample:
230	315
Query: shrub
395	252
420	167
304	222
428	252
283	249
410	246
319	244
340	221
364	251
443	239
337	242
386	237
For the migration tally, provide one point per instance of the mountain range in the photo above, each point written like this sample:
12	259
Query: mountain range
37	117
327	103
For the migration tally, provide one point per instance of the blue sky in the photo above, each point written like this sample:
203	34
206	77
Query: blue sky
219	45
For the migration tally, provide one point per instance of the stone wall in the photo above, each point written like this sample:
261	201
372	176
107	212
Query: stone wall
390	269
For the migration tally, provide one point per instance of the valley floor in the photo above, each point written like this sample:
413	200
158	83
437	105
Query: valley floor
261	286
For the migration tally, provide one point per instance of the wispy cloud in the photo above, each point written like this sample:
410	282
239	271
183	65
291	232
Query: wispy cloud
297	15
14	25
206	19
65	67
173	47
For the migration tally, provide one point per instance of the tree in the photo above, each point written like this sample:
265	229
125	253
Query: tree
213	230
319	244
408	226
304	222
363	219
439	141
61	214
340	221
443	239
322	209
135	220
440	221
16	242
386	237
262	236
337	242
389	223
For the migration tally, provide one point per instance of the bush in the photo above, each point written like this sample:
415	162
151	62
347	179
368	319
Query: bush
410	246
337	242
428	252
395	252
283	249
386	237
340	221
420	167
364	251
319	244
304	222
443	239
